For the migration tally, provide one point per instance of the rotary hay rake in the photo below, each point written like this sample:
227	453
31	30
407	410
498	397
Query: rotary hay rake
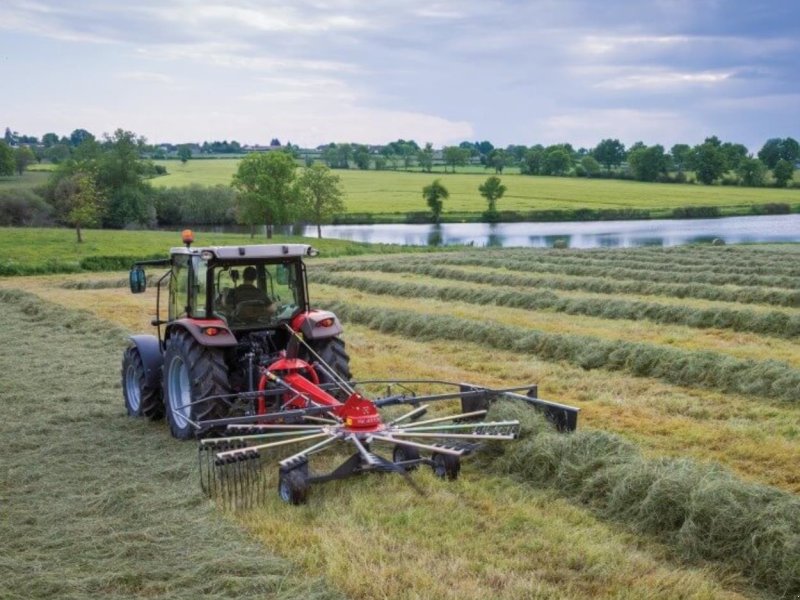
308	418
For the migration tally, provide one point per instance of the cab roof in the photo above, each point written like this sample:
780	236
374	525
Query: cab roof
254	251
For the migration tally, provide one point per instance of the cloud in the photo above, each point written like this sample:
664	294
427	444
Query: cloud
661	79
145	77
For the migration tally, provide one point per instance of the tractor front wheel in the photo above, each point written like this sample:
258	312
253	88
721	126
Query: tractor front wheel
141	399
192	372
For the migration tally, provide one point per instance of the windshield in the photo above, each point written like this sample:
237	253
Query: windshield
255	295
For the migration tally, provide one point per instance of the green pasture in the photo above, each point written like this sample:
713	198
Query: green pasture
28	180
401	191
31	250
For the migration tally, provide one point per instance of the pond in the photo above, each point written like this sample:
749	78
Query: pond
592	234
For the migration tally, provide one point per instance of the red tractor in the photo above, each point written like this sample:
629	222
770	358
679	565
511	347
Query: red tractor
231	310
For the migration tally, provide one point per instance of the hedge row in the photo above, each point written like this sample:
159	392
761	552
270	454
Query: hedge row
691	264
550	263
702	511
773	323
587	284
768	379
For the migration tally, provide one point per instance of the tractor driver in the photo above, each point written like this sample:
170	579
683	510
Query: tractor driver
248	292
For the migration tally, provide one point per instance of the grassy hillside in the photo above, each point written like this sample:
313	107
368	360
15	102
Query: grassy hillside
390	191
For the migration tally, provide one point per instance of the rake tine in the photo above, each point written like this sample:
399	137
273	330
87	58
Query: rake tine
430	447
477	413
316	447
233	453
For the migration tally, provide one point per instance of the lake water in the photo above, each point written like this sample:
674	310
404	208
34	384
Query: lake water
592	234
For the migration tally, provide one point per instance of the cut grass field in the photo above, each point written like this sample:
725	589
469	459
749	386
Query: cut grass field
401	192
475	539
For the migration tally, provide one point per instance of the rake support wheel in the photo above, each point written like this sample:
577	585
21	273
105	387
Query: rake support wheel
141	400
191	372
446	466
293	486
405	453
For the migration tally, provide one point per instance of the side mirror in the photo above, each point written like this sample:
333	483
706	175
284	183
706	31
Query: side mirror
137	279
282	274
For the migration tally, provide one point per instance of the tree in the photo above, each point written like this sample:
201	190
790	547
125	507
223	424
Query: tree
492	189
455	156
7	162
752	171
425	158
497	160
77	137
121	172
590	165
434	194
681	155
776	149
49	139
609	153
734	154
648	163
79	201
708	162
533	160
344	153
184	153
23	156
361	156
266	191
783	172
275	143
321	194
57	153
557	160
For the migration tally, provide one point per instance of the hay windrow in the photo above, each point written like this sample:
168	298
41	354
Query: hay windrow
702	511
767	379
772	323
742	295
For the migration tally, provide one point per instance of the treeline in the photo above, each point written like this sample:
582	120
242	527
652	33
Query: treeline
105	183
713	161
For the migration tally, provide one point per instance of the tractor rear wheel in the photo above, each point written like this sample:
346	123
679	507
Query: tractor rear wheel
192	372
293	487
335	356
141	399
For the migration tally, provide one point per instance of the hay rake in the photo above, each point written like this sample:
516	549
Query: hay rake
310	421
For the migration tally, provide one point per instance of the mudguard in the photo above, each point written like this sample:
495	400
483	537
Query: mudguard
317	324
150	350
197	328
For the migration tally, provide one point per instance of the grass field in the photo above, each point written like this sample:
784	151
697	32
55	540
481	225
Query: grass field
26	251
400	192
632	507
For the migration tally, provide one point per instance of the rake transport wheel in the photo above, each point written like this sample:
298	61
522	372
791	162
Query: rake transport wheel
404	453
191	372
141	400
293	487
446	466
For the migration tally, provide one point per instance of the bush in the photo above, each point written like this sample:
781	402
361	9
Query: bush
771	208
196	205
24	208
696	212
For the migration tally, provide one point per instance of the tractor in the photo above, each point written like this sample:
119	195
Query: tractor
231	309
247	366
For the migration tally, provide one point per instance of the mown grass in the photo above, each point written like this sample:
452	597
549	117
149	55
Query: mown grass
127	515
400	192
772	323
27	251
95	505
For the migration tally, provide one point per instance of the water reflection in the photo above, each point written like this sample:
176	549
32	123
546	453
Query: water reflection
595	234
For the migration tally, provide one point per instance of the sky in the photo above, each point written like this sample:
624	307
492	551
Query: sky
318	71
